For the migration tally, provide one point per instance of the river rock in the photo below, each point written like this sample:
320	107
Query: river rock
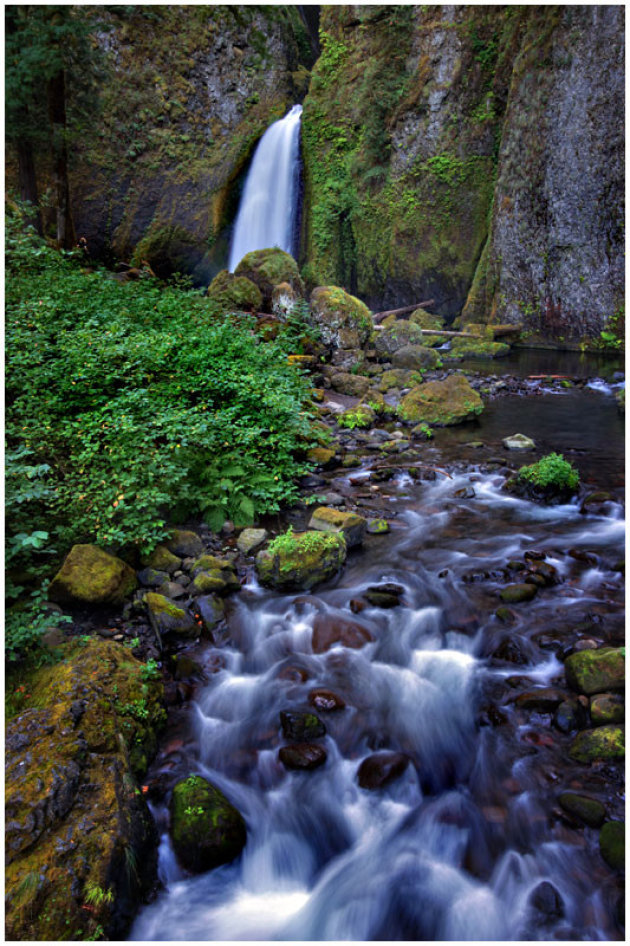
570	715
151	578
596	671
518	442
333	310
605	742
441	403
607	708
612	844
269	268
184	543
72	803
328	519
588	810
543	700
211	610
378	527
168	616
206	829
354	385
325	700
302	755
214	574
250	540
381	768
90	575
517	592
415	357
234	293
322	456
301	727
329	630
546	900
301	561
398	334
161	559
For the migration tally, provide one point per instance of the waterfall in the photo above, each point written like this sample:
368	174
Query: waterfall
266	215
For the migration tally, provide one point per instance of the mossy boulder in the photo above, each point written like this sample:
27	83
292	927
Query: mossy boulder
169	618
608	708
612	844
90	575
269	268
551	480
321	456
473	348
162	560
210	570
596	671
354	385
76	819
352	526
588	810
376	402
441	403
517	592
397	378
605	742
206	582
415	357
184	543
234	293
398	334
335	311
427	320
206	829
251	539
359	416
299	561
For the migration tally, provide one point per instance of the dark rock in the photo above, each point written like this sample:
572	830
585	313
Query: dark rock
185	544
301	727
569	716
607	708
206	829
511	650
328	630
546	900
356	605
381	599
381	768
543	700
588	810
515	593
612	844
151	578
302	756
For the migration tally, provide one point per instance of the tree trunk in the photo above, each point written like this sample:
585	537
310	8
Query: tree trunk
28	181
57	114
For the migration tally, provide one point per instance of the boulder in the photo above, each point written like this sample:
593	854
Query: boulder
380	769
475	348
299	561
302	755
518	442
517	592
605	742
73	807
328	631
161	560
398	334
234	293
211	610
328	519
424	319
596	671
321	456
250	540
335	311
211	573
359	416
91	576
354	385
415	357
441	403
612	844
184	543
301	727
284	298
206	829
169	617
269	268
588	810
396	378
607	708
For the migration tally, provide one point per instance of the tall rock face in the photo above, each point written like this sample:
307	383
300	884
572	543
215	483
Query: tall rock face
555	253
471	155
188	92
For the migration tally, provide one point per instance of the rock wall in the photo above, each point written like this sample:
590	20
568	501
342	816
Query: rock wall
189	90
471	155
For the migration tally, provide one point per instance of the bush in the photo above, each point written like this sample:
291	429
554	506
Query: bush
131	404
552	471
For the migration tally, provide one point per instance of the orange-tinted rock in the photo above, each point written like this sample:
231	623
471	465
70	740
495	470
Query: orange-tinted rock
328	631
381	768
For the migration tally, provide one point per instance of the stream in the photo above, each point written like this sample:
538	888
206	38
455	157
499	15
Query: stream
468	842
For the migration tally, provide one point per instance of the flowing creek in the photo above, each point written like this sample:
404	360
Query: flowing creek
465	843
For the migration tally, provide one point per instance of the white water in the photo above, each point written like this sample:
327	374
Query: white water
266	215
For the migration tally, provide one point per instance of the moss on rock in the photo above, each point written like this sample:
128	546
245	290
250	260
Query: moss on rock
269	268
352	526
612	844
168	616
90	575
441	403
299	561
234	293
596	671
605	742
335	312
206	829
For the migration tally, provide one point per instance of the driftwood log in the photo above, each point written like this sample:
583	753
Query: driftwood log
379	316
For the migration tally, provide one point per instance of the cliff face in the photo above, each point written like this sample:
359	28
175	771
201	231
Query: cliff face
189	91
472	155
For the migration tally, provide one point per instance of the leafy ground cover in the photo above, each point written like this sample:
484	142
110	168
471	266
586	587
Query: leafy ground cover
129	407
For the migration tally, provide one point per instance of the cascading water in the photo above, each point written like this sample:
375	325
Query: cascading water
268	208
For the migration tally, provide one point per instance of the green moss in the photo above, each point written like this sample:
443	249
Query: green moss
93	576
596	671
612	844
605	742
441	403
159	604
359	416
551	471
301	560
268	268
232	293
206	829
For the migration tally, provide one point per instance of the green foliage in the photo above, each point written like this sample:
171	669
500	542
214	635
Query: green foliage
613	336
288	543
96	895
150	670
126	403
551	471
354	418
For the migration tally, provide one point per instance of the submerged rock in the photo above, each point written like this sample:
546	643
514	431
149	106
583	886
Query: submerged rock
300	561
380	769
91	576
206	829
588	810
325	700
301	726
441	403
329	630
302	755
517	592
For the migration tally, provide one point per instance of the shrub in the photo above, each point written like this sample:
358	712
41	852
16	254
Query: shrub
552	471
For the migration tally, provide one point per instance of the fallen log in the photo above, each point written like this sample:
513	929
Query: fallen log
439	331
379	316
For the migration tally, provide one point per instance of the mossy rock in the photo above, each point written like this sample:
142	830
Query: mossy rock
321	456
596	671
234	293
612	844
397	378
91	576
415	357
168	616
327	519
376	402
359	416
441	403
206	829
185	543
211	610
471	348
605	742
269	268
206	582
608	708
162	560
427	320
302	560
333	310
588	810
398	334
354	385
93	722
517	592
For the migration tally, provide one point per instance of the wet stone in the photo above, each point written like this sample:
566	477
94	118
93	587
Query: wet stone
302	755
380	769
546	900
328	631
511	651
612	844
518	592
325	700
301	726
605	742
607	708
596	671
588	810
569	716
544	700
151	578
